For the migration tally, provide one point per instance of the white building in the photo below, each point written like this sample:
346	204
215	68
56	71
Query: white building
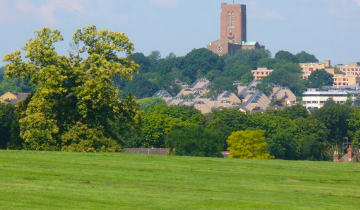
316	98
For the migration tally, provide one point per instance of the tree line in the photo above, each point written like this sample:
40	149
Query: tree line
77	102
291	133
157	73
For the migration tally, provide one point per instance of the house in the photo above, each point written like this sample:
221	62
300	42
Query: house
283	95
163	94
229	96
257	101
13	97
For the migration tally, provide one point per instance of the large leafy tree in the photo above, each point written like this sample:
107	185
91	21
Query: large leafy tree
162	119
285	56
336	119
304	57
226	121
74	93
320	78
312	139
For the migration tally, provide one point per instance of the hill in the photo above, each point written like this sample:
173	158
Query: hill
45	180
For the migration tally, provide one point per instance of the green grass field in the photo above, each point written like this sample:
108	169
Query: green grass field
56	180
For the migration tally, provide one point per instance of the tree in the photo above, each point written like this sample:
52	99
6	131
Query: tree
246	57
285	56
335	117
74	93
320	78
286	75
354	127
160	120
220	84
248	145
7	116
199	62
292	112
279	133
194	141
226	121
148	103
304	57
312	139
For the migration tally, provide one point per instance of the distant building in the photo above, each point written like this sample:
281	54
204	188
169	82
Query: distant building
352	69
233	34
261	73
163	94
13	97
316	98
341	80
284	95
308	68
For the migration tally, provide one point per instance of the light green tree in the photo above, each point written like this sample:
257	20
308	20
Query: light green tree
72	93
248	145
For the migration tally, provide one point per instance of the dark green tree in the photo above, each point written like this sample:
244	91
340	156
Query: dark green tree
335	117
320	78
199	62
285	56
7	117
194	141
148	103
226	121
304	57
312	139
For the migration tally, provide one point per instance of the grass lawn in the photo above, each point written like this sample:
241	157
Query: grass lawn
56	180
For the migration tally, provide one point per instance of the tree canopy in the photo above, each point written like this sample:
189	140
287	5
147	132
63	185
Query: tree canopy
74	95
248	145
320	78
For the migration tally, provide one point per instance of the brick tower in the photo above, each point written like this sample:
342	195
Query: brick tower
233	23
232	29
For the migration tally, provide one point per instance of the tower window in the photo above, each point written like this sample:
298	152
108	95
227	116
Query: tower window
231	18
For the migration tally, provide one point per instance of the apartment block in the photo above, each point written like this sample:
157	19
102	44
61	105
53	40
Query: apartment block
261	73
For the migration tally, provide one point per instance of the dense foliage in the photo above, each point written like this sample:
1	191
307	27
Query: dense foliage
194	141
320	78
157	73
248	145
74	102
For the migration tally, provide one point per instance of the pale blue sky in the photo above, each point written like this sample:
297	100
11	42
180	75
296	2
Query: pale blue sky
330	29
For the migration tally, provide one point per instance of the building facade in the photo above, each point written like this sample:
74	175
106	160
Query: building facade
316	98
261	73
352	69
308	68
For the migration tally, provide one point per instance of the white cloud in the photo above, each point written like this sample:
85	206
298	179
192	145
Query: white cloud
357	2
17	9
166	3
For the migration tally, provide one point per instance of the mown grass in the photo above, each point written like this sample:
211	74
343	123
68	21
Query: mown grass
57	180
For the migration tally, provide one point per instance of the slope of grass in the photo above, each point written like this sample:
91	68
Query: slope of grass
56	180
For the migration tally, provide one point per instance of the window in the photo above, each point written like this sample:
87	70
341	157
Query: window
231	18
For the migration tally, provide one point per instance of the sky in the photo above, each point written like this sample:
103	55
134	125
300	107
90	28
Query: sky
330	29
